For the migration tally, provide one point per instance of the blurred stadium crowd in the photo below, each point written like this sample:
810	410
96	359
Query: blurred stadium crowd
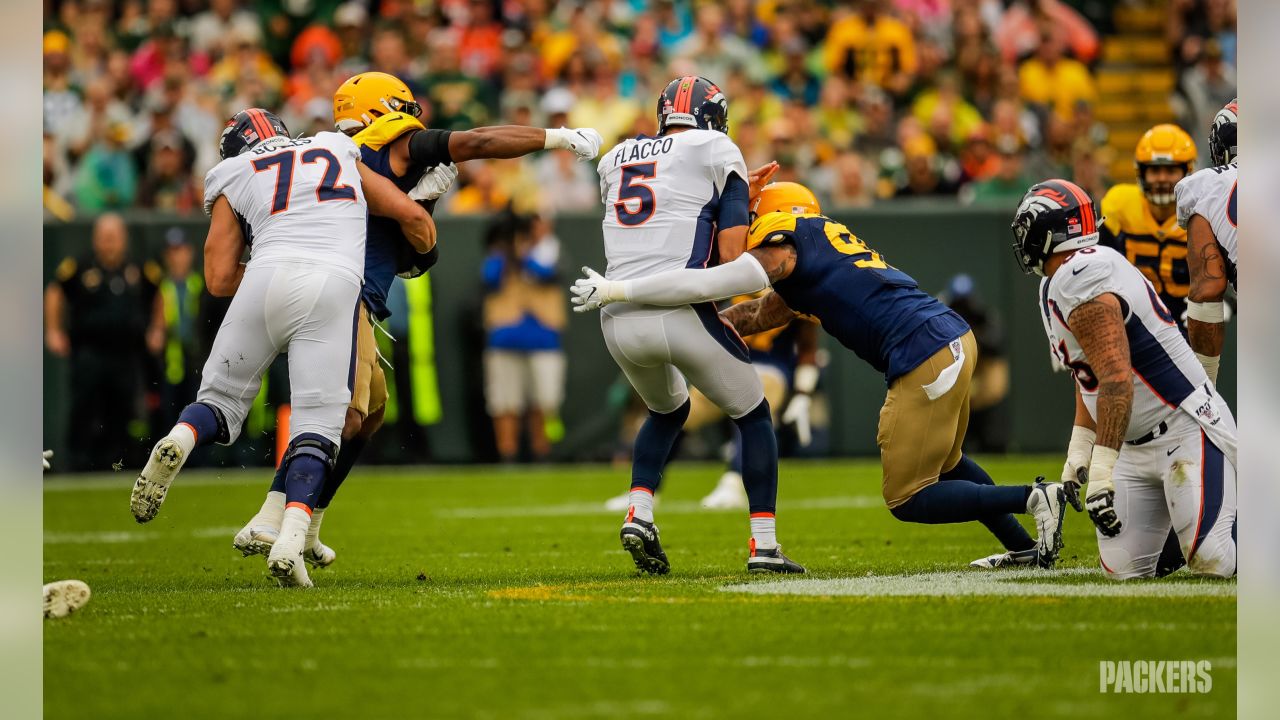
865	100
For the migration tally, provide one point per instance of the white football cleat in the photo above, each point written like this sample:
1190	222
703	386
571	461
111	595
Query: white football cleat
153	482
319	555
728	495
285	559
64	597
1010	559
255	539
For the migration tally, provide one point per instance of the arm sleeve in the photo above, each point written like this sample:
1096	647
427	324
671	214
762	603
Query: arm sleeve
733	203
430	148
692	285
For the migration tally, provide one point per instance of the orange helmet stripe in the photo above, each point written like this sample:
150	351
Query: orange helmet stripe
684	96
261	124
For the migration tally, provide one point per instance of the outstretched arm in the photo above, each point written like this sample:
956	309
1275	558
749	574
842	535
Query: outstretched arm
1206	317
764	313
750	273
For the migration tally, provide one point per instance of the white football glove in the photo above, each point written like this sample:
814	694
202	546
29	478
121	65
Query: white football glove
46	456
1075	471
584	142
797	413
1101	498
434	182
594	291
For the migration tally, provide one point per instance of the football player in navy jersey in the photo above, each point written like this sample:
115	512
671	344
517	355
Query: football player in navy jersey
379	113
818	267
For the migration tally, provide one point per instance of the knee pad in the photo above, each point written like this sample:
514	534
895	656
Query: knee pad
311	445
222	434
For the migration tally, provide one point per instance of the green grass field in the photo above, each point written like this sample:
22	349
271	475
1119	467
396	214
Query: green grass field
494	593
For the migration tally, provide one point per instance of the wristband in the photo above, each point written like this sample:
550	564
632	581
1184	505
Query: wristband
1080	446
1210	365
1207	312
806	379
1101	466
557	139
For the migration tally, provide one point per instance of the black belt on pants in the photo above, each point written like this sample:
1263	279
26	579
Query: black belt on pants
1161	429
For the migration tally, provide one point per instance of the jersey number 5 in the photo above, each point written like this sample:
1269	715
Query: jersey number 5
328	189
631	190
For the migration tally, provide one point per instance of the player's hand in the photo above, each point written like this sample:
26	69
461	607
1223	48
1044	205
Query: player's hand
758	178
585	143
45	457
593	291
434	182
797	413
1073	479
1101	503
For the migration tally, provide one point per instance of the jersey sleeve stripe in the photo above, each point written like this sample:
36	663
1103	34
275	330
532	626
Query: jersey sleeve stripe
1152	364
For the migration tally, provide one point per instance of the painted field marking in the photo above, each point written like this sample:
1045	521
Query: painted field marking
114	537
675	507
1002	583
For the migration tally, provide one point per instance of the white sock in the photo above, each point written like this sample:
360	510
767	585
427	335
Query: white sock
184	436
271	512
313	530
641	505
764	531
293	530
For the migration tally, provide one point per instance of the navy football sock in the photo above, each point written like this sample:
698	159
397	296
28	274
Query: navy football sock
204	422
956	501
347	456
277	483
1005	527
759	459
735	462
653	446
304	480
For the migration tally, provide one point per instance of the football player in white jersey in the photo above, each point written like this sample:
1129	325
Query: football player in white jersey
300	205
1207	209
679	200
1156	443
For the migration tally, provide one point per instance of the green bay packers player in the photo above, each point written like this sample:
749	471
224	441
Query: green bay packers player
1141	218
818	267
379	113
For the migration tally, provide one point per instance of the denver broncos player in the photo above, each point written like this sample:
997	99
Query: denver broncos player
1140	219
818	267
1207	210
379	113
1161	442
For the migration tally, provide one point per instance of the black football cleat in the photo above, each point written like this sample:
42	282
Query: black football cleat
640	538
772	561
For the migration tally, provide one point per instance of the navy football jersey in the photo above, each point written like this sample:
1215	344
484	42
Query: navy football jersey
871	307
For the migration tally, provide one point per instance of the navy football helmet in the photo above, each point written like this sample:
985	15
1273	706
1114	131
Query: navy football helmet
1054	216
1222	135
248	128
692	101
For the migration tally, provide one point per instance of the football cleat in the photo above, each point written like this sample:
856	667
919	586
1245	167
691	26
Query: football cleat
1046	505
153	482
772	561
290	572
319	555
64	597
1013	558
728	495
255	539
640	538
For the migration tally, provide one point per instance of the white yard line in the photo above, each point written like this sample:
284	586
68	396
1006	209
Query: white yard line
1002	583
676	507
113	537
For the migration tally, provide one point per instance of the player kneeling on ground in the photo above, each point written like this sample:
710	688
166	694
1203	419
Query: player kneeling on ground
1157	442
818	267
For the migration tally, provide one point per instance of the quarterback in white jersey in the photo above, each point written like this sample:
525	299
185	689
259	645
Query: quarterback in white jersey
1207	209
300	206
1157	444
676	201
